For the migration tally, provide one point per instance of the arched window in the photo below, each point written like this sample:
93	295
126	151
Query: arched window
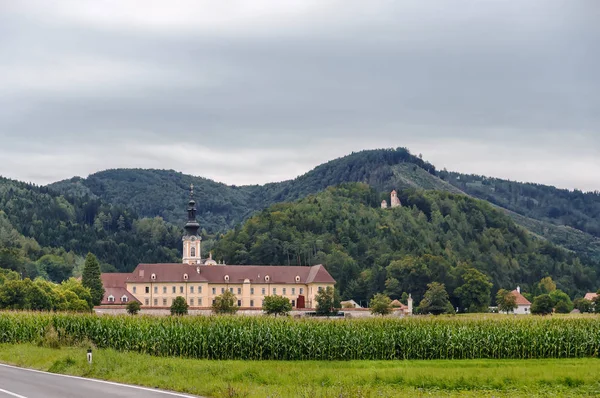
193	252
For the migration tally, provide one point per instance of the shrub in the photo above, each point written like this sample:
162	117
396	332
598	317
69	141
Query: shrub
133	307
179	306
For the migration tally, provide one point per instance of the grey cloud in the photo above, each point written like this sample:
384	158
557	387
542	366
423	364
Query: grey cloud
332	78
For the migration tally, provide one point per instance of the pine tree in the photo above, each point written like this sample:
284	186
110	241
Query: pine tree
91	278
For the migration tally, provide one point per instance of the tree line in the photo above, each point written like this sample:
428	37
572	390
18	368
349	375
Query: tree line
72	295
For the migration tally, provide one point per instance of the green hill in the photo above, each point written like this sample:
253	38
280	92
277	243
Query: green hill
161	192
574	209
435	236
569	219
39	217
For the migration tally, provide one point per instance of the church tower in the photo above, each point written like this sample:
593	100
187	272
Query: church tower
395	201
191	239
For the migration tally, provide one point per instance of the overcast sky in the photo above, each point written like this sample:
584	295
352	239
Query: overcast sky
253	91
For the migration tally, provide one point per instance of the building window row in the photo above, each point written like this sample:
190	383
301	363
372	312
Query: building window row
214	290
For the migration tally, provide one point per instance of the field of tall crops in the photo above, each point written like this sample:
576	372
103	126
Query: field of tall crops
262	338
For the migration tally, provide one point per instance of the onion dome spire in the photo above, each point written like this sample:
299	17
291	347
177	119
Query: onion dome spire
192	226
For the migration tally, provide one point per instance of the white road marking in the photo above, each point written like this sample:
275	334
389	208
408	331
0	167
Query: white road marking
174	394
12	394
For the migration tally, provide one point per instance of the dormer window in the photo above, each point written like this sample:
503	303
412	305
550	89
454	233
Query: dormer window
185	277
153	276
226	278
111	299
267	278
297	279
124	299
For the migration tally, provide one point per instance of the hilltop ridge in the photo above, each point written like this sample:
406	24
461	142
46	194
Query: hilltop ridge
568	218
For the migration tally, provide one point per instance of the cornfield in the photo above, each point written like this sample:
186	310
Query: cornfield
261	338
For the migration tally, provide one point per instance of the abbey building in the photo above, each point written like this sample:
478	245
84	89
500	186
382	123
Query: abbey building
199	280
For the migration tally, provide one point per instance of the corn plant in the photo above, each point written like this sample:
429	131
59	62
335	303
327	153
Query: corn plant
265	338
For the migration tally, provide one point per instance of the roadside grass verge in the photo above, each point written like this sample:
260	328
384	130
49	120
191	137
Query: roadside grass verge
315	379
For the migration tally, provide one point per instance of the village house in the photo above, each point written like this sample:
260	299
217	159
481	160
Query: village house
401	308
199	280
523	305
590	296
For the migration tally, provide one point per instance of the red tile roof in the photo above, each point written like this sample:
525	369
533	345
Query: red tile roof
520	299
117	293
279	274
398	304
591	296
114	279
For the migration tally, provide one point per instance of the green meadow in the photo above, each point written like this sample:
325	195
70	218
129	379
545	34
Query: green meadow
313	379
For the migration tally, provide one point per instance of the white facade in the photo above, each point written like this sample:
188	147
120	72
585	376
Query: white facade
523	310
192	250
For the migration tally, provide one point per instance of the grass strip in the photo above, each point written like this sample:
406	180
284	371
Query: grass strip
314	379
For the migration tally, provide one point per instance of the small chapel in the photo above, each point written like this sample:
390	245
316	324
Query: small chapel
200	280
394	201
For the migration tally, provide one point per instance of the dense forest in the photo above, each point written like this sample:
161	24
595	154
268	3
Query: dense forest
435	236
46	234
569	219
161	193
575	209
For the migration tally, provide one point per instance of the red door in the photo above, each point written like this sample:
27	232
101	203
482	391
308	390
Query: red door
300	302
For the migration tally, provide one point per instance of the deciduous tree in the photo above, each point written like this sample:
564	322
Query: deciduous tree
328	301
436	300
474	294
583	305
380	304
276	305
225	303
561	301
542	305
506	301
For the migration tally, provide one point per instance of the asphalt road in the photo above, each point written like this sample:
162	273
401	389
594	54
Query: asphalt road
26	383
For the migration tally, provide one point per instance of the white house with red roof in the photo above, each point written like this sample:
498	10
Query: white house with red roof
523	305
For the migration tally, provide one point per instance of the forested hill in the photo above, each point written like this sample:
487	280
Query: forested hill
220	207
36	222
576	209
435	236
569	219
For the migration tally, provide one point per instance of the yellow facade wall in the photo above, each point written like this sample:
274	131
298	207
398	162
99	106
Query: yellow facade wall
201	294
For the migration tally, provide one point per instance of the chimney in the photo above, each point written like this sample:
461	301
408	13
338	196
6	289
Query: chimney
410	304
519	289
